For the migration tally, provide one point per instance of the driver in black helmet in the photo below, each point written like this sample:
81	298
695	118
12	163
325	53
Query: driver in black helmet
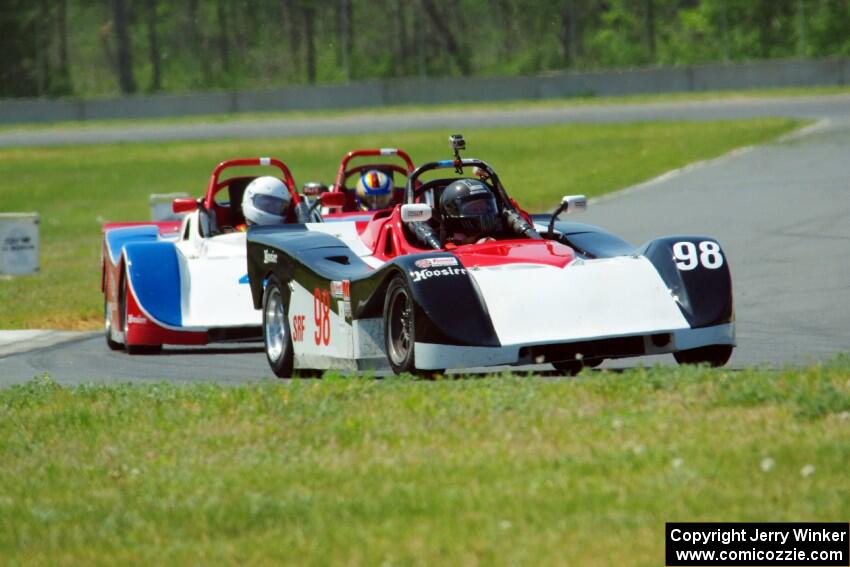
470	214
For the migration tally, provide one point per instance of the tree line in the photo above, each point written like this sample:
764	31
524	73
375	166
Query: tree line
104	47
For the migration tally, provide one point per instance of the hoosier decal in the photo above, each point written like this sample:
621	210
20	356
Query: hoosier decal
422	275
269	257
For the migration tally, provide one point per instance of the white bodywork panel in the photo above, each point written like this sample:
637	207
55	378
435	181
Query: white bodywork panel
210	292
436	357
347	232
352	345
587	299
313	347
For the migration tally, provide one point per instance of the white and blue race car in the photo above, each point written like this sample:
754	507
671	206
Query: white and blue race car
185	282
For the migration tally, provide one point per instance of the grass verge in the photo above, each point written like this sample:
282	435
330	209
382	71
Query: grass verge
77	188
503	470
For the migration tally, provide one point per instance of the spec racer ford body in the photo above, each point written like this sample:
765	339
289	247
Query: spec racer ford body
185	282
375	294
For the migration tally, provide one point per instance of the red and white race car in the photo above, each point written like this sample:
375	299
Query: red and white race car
401	289
185	282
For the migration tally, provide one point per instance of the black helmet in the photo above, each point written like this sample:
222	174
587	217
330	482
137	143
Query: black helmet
468	206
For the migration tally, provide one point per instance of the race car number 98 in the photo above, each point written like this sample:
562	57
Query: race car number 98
688	257
322	316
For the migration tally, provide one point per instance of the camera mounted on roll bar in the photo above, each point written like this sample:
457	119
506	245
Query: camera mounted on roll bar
457	143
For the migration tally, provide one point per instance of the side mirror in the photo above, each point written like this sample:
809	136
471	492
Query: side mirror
572	203
332	200
417	212
183	205
314	188
568	204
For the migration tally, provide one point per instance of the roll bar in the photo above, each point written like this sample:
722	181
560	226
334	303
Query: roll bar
343	166
215	185
412	180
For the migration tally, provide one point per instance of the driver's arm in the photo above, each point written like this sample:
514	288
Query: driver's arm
519	226
425	234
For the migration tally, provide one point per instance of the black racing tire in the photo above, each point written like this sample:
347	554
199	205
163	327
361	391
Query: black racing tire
400	330
277	338
143	349
122	309
107	327
568	367
712	355
399	327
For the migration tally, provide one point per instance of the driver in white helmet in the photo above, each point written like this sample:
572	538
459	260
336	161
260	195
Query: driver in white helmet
266	201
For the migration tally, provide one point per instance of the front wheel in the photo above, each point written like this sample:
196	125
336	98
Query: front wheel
276	334
713	355
568	367
107	327
399	327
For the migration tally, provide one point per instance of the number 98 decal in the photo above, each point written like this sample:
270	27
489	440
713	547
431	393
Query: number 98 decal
689	256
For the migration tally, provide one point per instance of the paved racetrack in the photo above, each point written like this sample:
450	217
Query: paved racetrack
781	212
455	120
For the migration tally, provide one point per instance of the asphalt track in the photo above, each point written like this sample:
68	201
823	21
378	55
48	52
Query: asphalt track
454	120
780	210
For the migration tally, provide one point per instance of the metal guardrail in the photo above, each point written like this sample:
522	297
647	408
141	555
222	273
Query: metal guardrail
757	74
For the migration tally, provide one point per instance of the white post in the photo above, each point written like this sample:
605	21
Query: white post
18	243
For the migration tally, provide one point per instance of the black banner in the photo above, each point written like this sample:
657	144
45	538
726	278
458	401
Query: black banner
772	543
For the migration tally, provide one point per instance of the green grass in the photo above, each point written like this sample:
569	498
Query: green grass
527	104
503	470
76	188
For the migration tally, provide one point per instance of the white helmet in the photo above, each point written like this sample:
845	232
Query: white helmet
266	201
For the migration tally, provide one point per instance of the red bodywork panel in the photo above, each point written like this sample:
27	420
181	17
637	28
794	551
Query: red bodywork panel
165	227
384	235
525	251
143	331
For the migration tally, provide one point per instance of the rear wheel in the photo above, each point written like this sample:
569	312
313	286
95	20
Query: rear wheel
276	334
713	355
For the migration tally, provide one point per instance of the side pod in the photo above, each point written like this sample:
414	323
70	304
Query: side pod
696	270
154	276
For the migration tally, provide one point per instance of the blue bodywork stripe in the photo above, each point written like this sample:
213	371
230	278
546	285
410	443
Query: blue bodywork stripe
117	238
155	275
446	163
358	218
